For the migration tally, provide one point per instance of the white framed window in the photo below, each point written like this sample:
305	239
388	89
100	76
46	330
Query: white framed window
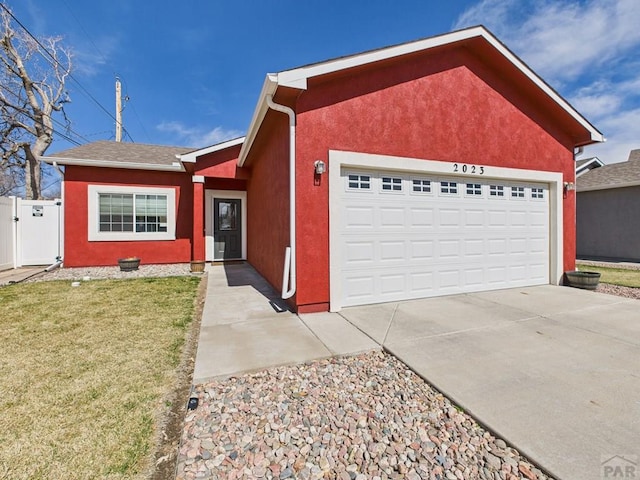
449	188
537	193
121	213
517	192
419	185
358	182
496	190
391	184
473	189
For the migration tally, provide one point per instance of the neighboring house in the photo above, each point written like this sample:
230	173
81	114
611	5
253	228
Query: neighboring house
445	161
608	211
587	164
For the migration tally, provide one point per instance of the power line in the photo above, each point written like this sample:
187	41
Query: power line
56	61
54	120
135	113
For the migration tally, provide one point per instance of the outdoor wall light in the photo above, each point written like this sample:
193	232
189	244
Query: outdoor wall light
320	167
568	186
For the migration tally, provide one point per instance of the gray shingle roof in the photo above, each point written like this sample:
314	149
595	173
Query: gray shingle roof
124	152
615	175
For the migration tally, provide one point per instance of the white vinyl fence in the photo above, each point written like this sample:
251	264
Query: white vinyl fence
31	232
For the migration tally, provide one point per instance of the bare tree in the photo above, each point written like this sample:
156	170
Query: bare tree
32	89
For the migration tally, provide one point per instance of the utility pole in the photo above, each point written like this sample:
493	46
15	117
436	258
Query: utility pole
118	110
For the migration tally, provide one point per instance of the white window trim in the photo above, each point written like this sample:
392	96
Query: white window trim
95	235
357	160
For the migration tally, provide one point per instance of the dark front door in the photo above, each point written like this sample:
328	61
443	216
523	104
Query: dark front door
227	229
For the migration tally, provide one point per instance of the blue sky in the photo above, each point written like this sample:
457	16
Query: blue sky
193	69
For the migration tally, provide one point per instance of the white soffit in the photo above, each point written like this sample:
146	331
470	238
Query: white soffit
174	167
298	77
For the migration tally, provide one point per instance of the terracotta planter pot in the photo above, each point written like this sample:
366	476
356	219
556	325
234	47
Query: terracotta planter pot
128	264
584	280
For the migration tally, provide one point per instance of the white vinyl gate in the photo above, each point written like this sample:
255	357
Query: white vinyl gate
7	233
31	232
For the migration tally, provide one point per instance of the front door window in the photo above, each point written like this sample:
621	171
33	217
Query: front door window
227	232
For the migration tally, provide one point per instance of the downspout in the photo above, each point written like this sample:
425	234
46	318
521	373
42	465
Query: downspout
58	261
289	272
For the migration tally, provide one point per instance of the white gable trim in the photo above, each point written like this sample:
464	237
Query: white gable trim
298	77
191	157
582	169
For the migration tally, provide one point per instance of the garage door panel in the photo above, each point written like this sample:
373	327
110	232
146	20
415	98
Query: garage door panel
421	217
358	218
474	247
392	251
449	249
403	243
421	249
392	284
359	253
474	218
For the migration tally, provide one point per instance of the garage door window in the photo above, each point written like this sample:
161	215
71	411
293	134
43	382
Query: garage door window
391	184
421	186
517	192
496	190
449	188
537	193
474	189
359	182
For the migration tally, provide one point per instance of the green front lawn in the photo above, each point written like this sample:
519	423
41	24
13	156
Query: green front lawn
84	373
616	276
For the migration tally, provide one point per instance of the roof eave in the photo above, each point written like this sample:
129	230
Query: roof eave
269	87
191	157
635	183
81	162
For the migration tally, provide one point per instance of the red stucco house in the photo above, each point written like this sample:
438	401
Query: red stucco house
434	167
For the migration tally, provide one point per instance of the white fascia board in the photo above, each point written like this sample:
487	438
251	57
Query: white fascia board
174	167
191	157
297	78
268	88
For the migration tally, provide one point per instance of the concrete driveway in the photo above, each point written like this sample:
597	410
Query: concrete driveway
553	370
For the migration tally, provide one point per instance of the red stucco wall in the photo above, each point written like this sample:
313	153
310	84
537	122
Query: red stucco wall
78	251
268	199
448	107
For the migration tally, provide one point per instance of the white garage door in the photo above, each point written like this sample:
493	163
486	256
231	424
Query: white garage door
405	236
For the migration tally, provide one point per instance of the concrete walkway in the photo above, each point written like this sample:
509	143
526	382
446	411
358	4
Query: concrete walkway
555	371
246	327
552	370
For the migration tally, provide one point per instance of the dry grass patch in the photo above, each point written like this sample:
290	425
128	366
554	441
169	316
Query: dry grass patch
615	276
83	374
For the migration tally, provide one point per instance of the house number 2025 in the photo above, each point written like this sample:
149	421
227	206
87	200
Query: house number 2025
464	168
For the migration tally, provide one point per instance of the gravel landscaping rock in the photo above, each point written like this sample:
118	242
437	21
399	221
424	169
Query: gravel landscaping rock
352	418
91	273
627	292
